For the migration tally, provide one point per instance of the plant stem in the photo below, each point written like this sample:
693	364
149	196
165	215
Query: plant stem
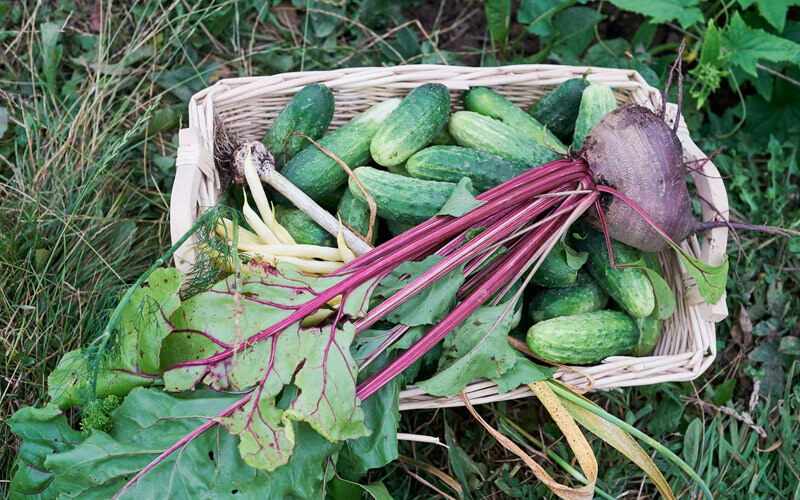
584	403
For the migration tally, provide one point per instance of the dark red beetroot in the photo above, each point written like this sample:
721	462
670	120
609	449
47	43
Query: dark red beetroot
635	152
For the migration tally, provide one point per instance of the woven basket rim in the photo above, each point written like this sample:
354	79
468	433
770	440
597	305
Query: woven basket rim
196	176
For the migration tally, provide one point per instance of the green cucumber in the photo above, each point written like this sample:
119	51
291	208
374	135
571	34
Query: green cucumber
401	198
443	138
411	126
583	296
583	339
483	133
649	327
558	109
316	173
451	163
489	103
555	271
629	287
355	212
309	111
302	228
597	101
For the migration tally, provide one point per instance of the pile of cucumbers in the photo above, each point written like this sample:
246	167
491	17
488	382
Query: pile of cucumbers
409	154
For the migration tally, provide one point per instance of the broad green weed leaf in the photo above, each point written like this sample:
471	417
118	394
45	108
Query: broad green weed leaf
498	17
748	46
724	392
461	201
471	352
774	11
51	53
692	439
662	11
539	14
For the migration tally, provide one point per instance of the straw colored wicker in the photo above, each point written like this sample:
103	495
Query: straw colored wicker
248	106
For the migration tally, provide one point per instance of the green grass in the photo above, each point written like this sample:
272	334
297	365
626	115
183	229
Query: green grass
86	165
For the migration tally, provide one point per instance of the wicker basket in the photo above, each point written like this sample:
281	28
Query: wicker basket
248	106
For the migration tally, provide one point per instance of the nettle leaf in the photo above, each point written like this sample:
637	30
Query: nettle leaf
43	431
428	306
316	360
461	200
148	422
748	46
134	362
523	372
471	351
662	11
774	11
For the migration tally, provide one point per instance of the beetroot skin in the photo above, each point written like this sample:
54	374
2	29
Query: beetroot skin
635	152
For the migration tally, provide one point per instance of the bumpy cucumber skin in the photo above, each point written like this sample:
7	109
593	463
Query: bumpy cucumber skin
451	163
401	198
302	228
316	173
411	126
483	133
355	212
583	296
597	101
554	271
309	111
649	327
558	109
489	103
629	287
583	339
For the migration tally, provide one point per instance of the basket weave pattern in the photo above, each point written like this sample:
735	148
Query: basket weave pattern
248	105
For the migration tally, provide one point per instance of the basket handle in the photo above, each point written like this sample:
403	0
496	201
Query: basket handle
715	241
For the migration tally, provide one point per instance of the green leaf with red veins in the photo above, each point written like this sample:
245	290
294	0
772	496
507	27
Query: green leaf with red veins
471	351
316	360
145	320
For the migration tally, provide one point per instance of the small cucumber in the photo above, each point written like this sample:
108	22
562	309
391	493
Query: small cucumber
555	272
411	126
302	228
558	109
451	163
309	111
583	296
355	213
401	198
489	103
629	287
583	339
597	101
316	173
483	133
649	327
443	138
